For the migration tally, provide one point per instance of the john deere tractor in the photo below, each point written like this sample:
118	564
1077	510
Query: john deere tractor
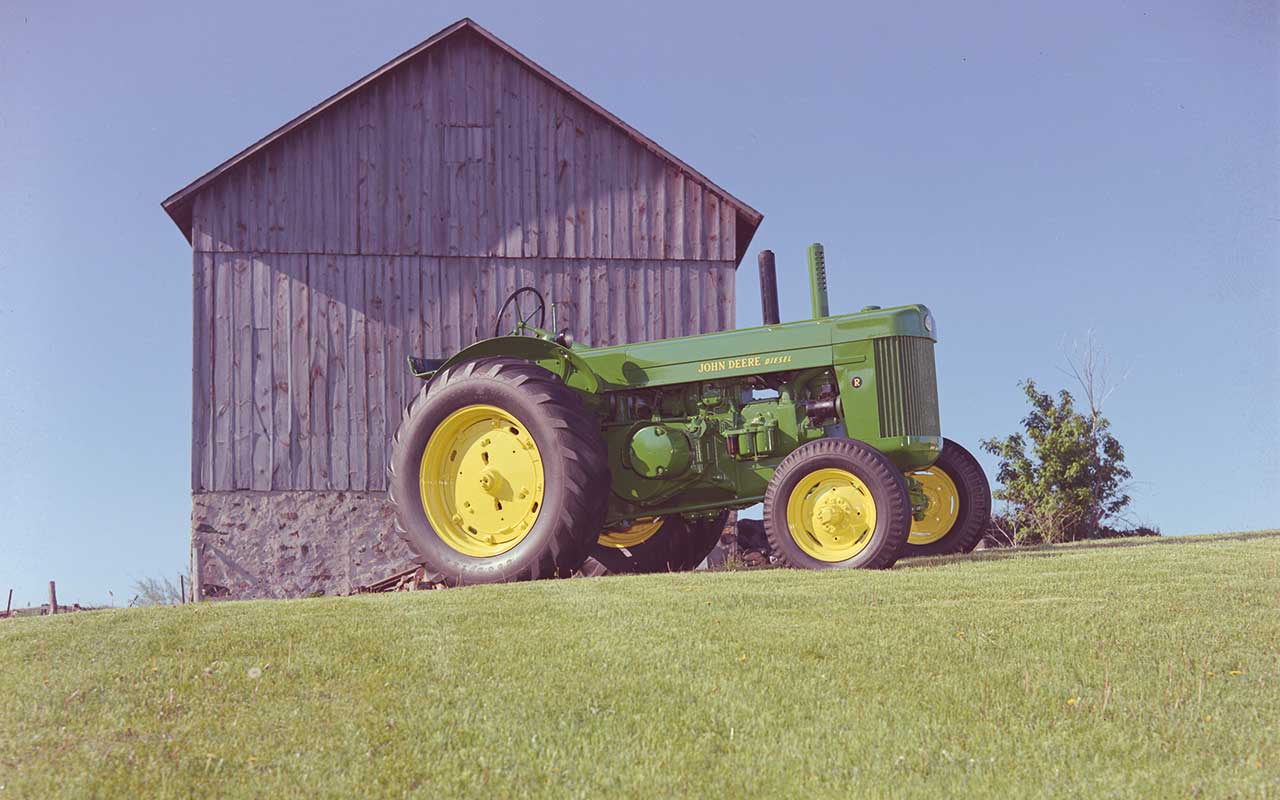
529	456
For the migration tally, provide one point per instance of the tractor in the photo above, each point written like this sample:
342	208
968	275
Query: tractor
527	455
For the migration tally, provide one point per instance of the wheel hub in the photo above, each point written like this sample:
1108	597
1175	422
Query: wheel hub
942	509
831	514
481	481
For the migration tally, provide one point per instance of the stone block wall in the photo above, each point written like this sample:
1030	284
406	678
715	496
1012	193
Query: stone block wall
292	544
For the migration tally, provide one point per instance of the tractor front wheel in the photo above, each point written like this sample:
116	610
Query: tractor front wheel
837	504
498	473
959	508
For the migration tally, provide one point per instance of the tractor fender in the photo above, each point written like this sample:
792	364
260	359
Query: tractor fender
571	367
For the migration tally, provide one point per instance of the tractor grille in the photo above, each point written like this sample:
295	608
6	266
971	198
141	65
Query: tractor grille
907	387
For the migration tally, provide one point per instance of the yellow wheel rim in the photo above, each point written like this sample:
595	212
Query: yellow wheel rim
831	515
640	531
481	481
943	509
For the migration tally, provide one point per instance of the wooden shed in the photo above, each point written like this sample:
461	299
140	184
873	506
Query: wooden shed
392	219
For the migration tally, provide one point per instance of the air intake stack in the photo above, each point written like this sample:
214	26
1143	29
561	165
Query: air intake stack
818	281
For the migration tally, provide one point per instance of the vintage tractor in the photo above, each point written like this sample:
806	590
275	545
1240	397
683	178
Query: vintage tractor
527	456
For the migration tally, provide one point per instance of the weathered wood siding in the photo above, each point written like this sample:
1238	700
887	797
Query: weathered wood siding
463	151
300	373
395	223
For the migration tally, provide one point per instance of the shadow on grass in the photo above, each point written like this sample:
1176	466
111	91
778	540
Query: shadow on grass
1051	550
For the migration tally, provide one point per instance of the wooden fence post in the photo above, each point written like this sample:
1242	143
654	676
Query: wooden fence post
8	607
53	598
182	588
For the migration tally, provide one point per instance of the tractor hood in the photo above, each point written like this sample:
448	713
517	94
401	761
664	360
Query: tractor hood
750	351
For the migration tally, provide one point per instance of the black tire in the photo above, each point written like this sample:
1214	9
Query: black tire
678	546
703	535
664	551
974	496
883	481
574	462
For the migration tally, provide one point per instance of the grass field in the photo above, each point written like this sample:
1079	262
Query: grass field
1140	668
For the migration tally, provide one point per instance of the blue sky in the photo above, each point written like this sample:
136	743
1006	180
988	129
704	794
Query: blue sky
1032	171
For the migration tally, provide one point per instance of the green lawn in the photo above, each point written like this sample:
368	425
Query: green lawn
1134	668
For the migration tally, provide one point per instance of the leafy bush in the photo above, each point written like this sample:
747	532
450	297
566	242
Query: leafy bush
1065	476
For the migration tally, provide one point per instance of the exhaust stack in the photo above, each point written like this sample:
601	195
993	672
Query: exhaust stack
768	288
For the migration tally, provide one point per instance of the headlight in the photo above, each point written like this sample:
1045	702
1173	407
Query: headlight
928	321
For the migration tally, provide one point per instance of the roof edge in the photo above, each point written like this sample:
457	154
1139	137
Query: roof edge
178	204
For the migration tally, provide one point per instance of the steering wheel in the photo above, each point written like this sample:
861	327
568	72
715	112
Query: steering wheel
522	321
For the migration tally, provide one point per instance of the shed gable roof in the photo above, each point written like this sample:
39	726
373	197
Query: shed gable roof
179	204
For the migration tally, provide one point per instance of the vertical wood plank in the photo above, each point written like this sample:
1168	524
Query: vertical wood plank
726	295
549	216
711	225
711	298
433	331
672	301
616	275
346	126
336	373
598	333
318	379
582	312
201	223
469	326
414	344
603	206
415	330
256	211
261	416
223	375
202	354
694	246
242	313
284	274
620	196
449	302
395	369
308	200
653	299
276	195
728	232
512	156
374	269
566	183
676	241
300	296
357	373
409	143
657	208
691	278
486	290
730	296
495	230
635	302
365	167
582	202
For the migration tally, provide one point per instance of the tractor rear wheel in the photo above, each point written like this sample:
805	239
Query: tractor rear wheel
498	473
837	504
959	504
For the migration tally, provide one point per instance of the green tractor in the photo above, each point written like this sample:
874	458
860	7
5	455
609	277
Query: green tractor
528	456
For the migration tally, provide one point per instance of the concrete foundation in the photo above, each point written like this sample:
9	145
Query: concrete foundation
291	544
